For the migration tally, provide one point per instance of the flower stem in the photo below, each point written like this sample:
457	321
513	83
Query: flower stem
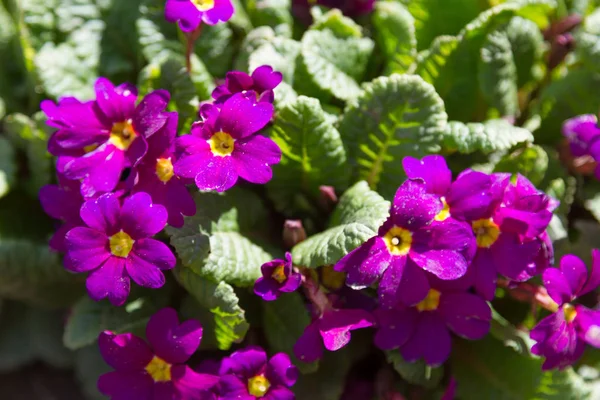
528	293
190	39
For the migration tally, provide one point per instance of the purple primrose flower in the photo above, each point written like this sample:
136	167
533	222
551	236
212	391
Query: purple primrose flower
278	277
115	246
258	86
561	336
154	175
409	243
224	145
583	134
189	14
97	140
158	370
423	331
351	8
247	375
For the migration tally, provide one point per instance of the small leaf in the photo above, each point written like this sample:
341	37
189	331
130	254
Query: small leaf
356	218
393	117
313	153
395	34
532	162
493	135
274	13
221	300
336	22
416	373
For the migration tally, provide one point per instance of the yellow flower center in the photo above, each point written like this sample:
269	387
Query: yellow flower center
332	278
120	244
398	240
122	134
204	5
221	144
431	302
159	370
164	169
258	385
444	213
570	312
486	232
279	274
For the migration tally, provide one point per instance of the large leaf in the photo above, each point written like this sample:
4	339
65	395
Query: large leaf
392	118
416	373
216	48
333	65
531	161
274	13
588	41
493	135
527	45
89	365
313	153
357	217
336	22
230	324
212	243
395	34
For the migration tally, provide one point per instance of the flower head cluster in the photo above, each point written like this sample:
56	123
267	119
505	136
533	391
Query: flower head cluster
583	134
189	14
351	8
278	277
561	336
258	86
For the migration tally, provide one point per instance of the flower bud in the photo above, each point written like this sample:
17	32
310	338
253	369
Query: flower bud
293	232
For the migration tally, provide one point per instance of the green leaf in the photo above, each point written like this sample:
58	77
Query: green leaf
416	373
216	48
487	137
221	300
393	117
356	218
89	365
336	22
212	243
527	45
313	153
274	13
88	318
8	167
498	74
333	65
395	34
280	53
532	162
255	38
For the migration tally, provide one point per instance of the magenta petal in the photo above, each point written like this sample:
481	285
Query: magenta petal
221	12
567	283
102	214
432	169
241	117
267	289
189	382
117	104
309	346
171	341
279	393
512	257
121	385
413	207
246	362
143	273
195	152
238	81
430	341
232	387
124	352
99	170
155	253
216	173
110	281
86	249
365	264
253	157
470	196
466	314
594	274
150	115
484	274
588	322
281	371
265	78
183	12
445	264
396	326
336	325
140	218
403	282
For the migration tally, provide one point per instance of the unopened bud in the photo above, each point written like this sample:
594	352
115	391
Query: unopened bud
562	26
293	232
328	198
561	46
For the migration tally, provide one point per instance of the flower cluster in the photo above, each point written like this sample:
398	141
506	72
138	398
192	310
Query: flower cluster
189	14
583	134
158	370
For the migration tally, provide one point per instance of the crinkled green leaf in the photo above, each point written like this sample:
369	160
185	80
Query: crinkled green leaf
487	137
212	243
274	13
216	48
395	34
255	38
527	45
8	166
393	117
498	74
335	21
313	153
356	218
531	161
332	65
229	321
416	373
280	53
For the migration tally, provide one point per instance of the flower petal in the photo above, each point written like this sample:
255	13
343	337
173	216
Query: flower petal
279	393
413	207
445	264
430	341
403	282
124	352
231	387
126	385
99	170
221	12
110	280
396	326
117	104
241	117
594	275
468	315
281	371
144	273
267	289
513	257
484	274
432	169
335	326
188	382
309	346
216	173
365	264
102	214
140	218
588	322
86	249
247	362
171	341
253	157
184	13
150	115
470	196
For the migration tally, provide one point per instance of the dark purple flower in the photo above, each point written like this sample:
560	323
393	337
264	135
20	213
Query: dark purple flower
423	331
154	175
189	14
115	246
158	370
583	134
62	202
258	86
561	337
247	375
409	243
510	239
278	277
97	140
351	8
224	146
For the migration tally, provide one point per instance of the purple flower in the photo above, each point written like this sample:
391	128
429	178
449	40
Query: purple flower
409	243
561	336
247	374
258	86
351	8
278	277
331	328
154	175
189	14
510	239
158	370
97	140
62	202
423	331
583	134
224	146
115	245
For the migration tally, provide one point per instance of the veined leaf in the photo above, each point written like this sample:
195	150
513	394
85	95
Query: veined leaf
493	135
216	48
274	13
395	34
532	162
416	373
527	45
335	21
255	38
